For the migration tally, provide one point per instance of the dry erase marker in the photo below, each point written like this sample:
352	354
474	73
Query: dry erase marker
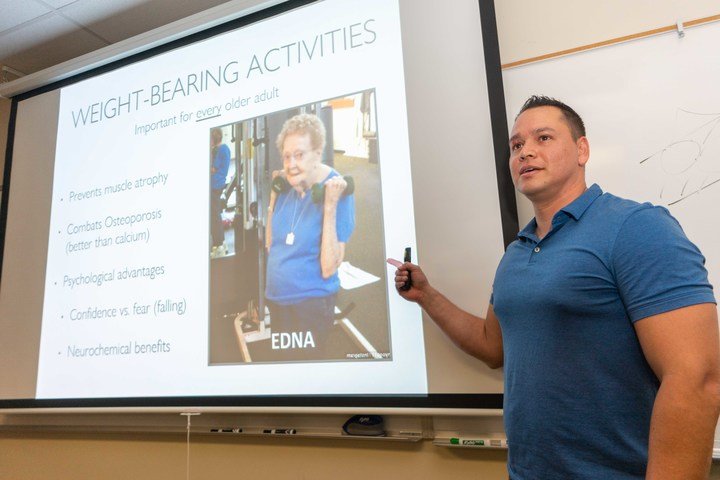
280	431
479	442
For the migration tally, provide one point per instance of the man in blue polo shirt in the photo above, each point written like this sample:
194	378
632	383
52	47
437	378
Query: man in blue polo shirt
602	317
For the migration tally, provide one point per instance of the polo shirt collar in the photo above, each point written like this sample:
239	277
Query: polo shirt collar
574	209
577	207
529	230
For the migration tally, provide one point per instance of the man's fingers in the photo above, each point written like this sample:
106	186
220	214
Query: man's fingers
394	263
402	274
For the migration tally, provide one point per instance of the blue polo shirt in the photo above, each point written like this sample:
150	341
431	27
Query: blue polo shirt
578	390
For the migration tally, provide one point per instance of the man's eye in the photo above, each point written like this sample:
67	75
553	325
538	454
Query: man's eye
515	146
544	137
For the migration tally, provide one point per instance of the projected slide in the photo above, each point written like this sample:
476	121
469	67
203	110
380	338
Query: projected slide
308	279
222	213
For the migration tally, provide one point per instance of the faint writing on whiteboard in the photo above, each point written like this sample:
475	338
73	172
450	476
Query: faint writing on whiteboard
691	163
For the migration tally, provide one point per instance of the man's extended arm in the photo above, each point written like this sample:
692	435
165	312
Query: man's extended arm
479	337
682	348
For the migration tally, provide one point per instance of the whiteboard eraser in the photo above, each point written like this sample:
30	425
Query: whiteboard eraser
365	425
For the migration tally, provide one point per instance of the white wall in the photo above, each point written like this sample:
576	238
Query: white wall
529	29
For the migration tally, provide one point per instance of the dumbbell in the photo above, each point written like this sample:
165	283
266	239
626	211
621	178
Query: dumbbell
318	190
281	185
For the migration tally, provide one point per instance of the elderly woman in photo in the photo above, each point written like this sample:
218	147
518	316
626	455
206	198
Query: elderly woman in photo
305	238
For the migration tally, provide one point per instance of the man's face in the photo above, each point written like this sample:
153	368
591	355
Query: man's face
299	160
545	160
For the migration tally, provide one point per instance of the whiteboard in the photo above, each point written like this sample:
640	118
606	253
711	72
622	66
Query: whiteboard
652	112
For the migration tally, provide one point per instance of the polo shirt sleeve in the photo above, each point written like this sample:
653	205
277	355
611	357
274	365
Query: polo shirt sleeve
656	267
345	218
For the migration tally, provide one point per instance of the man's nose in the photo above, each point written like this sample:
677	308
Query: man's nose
526	152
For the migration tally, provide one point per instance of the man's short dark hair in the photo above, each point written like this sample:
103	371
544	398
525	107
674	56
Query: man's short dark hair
577	127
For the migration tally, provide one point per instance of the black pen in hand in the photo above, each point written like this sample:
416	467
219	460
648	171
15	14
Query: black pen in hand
407	258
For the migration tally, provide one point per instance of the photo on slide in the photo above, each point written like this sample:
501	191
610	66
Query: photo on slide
296	238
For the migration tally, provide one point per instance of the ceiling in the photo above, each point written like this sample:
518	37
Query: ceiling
36	34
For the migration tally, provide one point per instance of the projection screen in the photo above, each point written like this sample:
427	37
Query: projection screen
207	222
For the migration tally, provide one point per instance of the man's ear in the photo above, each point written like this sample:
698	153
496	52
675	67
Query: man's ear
583	147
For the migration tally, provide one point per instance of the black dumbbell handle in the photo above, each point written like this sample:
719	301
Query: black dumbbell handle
318	190
281	185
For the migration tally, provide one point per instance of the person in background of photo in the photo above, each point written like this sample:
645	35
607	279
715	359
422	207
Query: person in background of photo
220	158
305	240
